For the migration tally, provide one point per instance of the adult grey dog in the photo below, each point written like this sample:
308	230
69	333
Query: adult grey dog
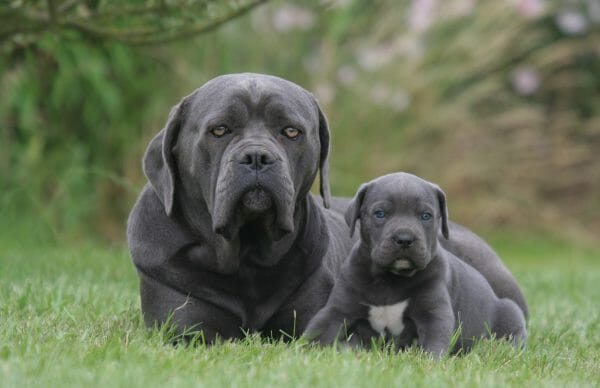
225	236
400	283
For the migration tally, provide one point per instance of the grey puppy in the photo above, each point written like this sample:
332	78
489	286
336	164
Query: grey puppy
400	283
226	237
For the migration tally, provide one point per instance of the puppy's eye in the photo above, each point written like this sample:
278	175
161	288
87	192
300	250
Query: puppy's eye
426	216
379	213
291	132
219	131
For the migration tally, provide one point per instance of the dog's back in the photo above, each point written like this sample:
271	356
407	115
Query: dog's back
477	309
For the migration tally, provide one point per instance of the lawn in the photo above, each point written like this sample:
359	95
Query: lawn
69	316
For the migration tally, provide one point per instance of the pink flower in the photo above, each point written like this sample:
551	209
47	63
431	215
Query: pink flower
420	14
289	17
460	8
571	22
525	81
531	9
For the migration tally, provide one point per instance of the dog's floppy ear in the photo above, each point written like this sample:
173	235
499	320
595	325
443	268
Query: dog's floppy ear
324	158
353	211
441	197
159	164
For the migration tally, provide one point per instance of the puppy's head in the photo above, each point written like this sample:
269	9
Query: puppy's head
400	216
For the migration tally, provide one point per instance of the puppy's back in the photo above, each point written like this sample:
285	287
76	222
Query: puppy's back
477	308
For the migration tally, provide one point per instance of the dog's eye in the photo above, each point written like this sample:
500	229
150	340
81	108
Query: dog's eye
426	216
291	132
379	213
219	131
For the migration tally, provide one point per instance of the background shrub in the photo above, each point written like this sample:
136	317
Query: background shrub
496	101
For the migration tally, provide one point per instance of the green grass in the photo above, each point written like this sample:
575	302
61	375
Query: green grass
69	316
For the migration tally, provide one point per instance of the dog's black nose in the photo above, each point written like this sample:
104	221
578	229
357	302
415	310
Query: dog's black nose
256	160
405	240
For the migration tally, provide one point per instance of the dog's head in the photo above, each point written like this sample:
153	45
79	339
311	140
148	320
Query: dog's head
246	148
400	216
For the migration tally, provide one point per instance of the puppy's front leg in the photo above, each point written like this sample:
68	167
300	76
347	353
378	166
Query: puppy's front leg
328	326
435	323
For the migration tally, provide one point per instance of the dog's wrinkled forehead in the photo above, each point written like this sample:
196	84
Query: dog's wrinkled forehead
402	190
250	95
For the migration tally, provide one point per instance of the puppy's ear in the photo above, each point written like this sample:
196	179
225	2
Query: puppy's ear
353	211
441	197
158	162
324	158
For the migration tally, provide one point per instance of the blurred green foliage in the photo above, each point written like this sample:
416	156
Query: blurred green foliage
69	113
75	95
499	102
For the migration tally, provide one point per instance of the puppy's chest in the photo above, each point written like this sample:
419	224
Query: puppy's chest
388	319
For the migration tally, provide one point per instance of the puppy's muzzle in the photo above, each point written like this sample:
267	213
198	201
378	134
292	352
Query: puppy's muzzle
404	239
403	267
399	253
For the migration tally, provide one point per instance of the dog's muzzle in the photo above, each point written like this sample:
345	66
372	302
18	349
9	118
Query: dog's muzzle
403	267
257	200
255	183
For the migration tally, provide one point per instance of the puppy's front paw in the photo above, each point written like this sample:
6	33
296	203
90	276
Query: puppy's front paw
437	354
332	334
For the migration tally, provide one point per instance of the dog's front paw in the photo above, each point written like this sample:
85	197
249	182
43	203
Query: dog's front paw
330	335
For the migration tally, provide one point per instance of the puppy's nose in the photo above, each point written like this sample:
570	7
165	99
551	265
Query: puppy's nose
256	160
404	240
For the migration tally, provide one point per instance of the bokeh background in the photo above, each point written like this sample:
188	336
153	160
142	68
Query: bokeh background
498	101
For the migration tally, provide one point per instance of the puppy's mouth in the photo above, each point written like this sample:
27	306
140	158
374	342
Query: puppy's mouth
403	267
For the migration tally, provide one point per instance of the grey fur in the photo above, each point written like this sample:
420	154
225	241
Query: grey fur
213	252
398	262
226	235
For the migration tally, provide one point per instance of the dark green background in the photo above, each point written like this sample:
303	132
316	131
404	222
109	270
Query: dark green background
437	91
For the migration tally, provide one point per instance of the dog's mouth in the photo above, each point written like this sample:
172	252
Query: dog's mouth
404	272
243	197
259	209
403	267
257	200
399	267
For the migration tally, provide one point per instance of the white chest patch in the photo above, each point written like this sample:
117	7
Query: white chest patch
388	317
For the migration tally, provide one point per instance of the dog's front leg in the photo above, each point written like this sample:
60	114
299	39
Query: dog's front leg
435	323
328	326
